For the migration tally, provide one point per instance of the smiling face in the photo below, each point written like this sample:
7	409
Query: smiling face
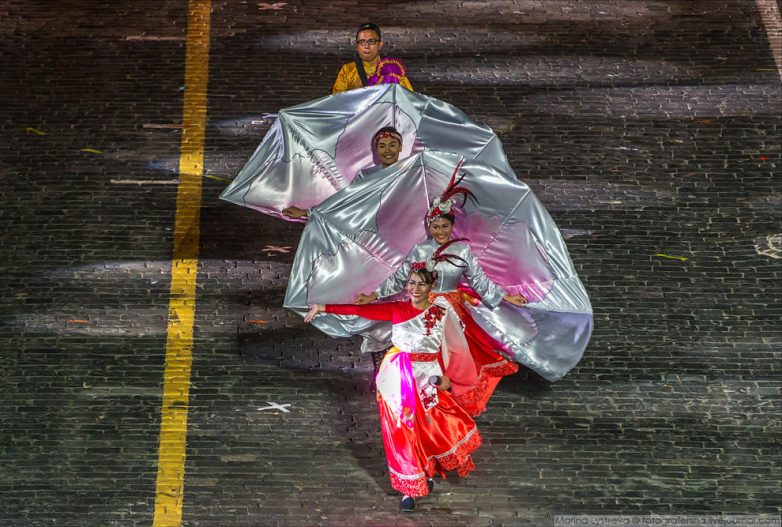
387	149
440	230
368	45
418	288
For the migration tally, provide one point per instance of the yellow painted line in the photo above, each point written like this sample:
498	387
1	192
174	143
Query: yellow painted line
169	491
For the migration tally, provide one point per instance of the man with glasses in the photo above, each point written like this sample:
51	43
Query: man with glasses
354	75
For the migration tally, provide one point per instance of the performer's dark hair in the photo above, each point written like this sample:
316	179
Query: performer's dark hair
448	216
429	277
369	26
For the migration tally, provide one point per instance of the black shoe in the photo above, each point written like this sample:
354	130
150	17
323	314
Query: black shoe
430	484
407	504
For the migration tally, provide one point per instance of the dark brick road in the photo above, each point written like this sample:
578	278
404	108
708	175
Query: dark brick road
645	126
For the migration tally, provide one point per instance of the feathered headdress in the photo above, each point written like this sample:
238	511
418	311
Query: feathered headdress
446	202
427	265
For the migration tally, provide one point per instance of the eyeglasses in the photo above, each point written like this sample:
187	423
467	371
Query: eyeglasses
369	42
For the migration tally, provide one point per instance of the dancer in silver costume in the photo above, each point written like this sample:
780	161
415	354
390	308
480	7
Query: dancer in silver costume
377	228
454	262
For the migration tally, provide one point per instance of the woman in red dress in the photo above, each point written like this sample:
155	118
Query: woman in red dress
425	431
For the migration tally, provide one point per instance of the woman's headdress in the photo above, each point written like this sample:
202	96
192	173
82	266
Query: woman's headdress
421	266
446	202
426	265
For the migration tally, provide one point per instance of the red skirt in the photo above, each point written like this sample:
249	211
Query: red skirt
485	352
440	439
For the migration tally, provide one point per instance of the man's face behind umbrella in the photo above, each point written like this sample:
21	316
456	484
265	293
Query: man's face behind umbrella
387	150
368	45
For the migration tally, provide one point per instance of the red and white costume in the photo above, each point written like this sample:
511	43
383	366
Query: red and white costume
487	328
425	431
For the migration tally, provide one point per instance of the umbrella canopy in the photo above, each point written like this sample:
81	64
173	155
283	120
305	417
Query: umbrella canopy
315	149
358	237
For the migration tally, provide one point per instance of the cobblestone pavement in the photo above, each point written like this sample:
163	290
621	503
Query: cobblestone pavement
648	128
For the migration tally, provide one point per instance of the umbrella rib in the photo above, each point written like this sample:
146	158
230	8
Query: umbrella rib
493	138
505	222
352	239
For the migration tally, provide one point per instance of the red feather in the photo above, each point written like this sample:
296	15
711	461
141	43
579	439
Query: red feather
441	256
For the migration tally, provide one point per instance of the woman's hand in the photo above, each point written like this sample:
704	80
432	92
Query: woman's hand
314	310
445	383
362	299
294	212
516	300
